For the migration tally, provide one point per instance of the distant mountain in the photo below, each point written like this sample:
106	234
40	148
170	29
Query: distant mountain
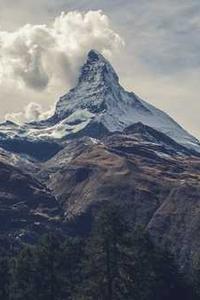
98	105
101	144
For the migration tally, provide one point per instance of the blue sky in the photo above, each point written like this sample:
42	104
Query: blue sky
160	60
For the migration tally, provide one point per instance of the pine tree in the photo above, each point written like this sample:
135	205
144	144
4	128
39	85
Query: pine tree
72	268
24	276
49	261
4	278
108	264
50	270
196	275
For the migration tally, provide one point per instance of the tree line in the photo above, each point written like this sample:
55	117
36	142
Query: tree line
112	263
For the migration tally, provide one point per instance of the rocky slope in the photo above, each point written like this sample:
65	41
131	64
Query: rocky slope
155	186
27	208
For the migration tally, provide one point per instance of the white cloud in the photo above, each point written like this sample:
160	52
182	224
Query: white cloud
31	112
46	58
38	54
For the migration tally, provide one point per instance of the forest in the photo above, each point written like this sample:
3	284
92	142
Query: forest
114	262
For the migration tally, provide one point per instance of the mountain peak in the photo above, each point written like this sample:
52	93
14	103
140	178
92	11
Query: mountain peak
99	104
97	69
94	56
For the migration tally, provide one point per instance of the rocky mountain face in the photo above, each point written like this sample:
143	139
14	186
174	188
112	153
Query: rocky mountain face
27	208
101	144
96	106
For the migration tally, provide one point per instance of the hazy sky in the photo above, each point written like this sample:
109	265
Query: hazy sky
153	45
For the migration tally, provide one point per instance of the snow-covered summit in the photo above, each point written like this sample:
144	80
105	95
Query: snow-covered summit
97	78
97	69
100	95
98	104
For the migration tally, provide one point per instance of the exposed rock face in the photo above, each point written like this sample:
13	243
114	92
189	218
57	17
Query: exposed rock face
176	224
27	208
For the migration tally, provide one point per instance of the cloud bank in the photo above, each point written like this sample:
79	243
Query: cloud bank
45	58
31	112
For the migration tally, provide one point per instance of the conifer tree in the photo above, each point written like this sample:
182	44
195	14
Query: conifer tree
108	264
73	249
196	275
4	278
24	276
49	262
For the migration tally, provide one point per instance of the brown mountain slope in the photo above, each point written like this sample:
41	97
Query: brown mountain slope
27	208
155	187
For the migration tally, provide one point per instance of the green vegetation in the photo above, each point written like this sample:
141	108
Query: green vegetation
113	263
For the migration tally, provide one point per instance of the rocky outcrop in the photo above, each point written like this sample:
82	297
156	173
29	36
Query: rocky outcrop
175	226
27	208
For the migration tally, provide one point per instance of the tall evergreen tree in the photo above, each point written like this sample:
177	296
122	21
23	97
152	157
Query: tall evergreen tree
51	270
73	249
108	264
49	261
4	278
24	276
196	275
